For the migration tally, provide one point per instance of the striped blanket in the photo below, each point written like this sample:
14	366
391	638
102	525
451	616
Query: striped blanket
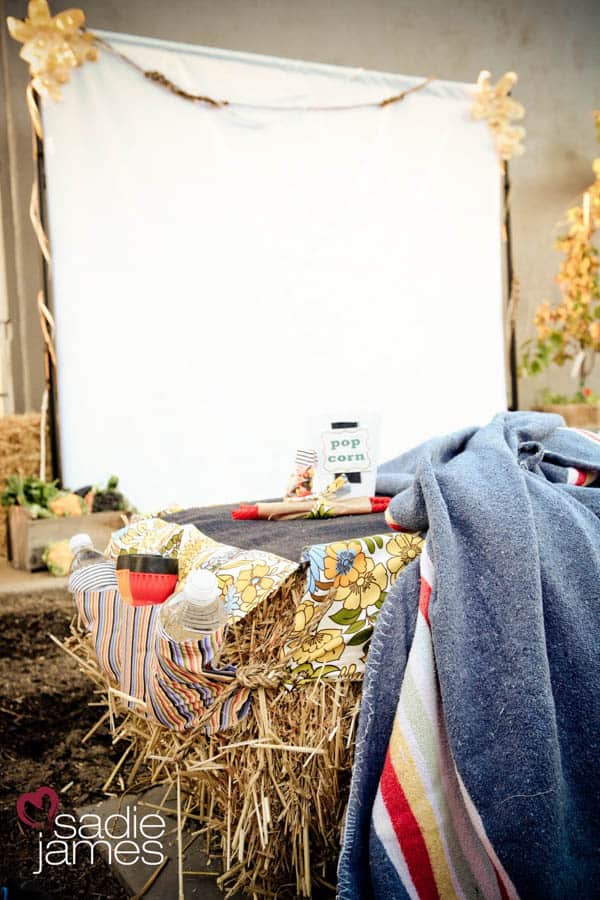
476	757
177	683
174	682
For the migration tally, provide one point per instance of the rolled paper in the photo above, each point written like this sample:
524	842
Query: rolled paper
309	509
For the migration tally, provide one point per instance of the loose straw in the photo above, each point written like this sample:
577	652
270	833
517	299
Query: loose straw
179	840
268	795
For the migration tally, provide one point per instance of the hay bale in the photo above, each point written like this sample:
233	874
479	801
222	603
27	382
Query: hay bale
19	454
269	795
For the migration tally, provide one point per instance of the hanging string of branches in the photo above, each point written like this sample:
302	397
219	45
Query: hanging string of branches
160	79
52	45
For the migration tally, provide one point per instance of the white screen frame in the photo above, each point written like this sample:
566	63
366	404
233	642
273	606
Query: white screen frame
218	476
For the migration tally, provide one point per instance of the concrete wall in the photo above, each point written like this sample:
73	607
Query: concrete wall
552	44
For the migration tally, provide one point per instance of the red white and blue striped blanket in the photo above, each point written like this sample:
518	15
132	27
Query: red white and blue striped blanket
476	759
423	817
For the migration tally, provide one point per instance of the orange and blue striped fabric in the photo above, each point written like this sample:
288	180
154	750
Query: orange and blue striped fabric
185	685
100	613
173	682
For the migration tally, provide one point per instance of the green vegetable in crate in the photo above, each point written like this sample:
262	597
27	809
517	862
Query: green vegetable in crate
109	498
58	558
31	493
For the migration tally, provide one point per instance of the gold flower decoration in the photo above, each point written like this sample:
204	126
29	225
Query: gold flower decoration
52	45
493	103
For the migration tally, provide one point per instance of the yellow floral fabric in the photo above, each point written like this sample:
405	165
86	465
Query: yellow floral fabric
246	577
154	535
347	582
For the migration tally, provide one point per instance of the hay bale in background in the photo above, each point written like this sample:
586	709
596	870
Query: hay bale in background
267	796
19	455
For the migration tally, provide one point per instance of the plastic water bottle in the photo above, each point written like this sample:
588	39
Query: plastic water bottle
195	611
83	551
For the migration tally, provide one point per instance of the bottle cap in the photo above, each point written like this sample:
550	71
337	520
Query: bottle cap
79	541
201	586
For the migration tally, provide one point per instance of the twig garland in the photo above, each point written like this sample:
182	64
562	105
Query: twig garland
162	81
159	78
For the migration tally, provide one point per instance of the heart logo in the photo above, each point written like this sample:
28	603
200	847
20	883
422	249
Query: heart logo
36	799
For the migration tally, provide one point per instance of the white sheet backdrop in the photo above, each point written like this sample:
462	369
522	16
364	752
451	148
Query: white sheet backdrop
220	276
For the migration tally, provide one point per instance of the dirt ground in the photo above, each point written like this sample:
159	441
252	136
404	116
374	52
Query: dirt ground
44	714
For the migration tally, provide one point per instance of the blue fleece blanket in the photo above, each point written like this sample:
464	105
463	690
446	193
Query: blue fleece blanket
512	613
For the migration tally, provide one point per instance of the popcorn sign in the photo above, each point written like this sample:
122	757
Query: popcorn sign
347	447
347	443
346	450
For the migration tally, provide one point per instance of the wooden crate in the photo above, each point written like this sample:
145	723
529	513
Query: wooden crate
19	455
576	415
28	538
